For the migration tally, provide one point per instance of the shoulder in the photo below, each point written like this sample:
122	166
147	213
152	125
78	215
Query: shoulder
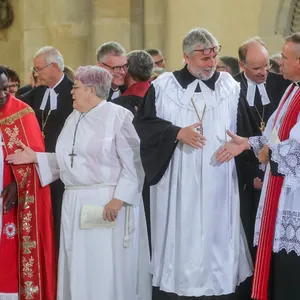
277	79
238	77
163	79
119	112
19	105
226	81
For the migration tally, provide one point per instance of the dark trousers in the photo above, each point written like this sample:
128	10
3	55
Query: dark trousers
57	191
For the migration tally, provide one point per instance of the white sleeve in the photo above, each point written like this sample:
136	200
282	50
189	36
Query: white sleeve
287	155
131	180
47	167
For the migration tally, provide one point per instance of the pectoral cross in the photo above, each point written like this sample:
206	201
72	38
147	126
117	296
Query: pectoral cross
200	128
262	126
72	155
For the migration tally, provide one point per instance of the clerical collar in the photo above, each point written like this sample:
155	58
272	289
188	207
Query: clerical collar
251	90
52	95
59	81
184	77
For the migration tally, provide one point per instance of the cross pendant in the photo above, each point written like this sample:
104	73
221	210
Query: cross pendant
262	126
72	155
200	128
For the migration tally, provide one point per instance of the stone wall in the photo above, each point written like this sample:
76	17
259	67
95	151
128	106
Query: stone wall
77	27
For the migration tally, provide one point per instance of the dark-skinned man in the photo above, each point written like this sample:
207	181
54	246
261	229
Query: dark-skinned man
25	209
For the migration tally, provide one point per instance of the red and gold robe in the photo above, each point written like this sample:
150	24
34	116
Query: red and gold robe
27	252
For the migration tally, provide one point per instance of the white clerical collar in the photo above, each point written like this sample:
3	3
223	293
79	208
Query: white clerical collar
53	96
252	89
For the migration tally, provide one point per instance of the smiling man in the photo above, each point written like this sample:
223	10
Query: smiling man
197	247
27	251
52	103
260	94
112	57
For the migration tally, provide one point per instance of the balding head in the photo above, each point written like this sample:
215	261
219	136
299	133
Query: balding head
254	60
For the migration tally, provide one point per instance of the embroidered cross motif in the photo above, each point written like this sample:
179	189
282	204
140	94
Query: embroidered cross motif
26	200
29	290
27	245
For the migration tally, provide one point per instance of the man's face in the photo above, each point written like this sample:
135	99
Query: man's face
13	86
3	90
202	62
159	61
290	61
43	71
257	64
117	67
221	67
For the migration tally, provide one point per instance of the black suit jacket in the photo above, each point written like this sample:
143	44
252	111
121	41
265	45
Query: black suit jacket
57	117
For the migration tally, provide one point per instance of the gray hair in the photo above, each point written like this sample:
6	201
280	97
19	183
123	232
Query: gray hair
52	55
198	36
110	48
243	48
97	77
140	65
294	38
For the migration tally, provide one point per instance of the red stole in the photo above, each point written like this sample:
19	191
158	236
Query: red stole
274	187
36	256
137	89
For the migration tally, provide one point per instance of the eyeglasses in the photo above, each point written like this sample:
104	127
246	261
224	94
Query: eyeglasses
117	69
159	62
38	70
207	51
74	87
14	85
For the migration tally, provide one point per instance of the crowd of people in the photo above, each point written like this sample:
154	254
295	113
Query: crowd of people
122	181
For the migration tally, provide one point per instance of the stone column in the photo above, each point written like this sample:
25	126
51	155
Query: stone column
110	22
69	29
137	24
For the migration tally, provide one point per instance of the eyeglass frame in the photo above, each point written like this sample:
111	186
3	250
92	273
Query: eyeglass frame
211	49
41	69
114	68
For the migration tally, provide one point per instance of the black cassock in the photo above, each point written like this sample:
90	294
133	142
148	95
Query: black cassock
248	124
158	143
52	130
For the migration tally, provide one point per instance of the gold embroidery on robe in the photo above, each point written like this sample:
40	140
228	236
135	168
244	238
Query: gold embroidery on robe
27	245
12	118
13	136
25	174
27	266
26	219
29	290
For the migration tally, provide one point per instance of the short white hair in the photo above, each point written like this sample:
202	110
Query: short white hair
51	55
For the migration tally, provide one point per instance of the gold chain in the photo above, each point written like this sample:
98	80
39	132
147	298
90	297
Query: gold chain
197	113
44	122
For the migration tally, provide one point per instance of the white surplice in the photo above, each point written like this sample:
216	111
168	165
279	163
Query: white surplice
287	155
97	263
198	243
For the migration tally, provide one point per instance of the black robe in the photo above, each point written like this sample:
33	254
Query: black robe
52	130
248	123
158	143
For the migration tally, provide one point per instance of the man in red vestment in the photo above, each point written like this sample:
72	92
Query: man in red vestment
27	253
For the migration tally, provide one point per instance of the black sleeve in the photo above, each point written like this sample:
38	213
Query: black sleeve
158	139
274	166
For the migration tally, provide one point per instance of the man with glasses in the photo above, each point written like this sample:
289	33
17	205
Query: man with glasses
52	102
158	58
198	249
261	92
112	57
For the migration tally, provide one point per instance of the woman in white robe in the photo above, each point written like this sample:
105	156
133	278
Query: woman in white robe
97	157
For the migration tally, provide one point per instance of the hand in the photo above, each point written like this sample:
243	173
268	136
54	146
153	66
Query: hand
263	155
189	136
257	183
27	156
232	148
112	209
10	193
